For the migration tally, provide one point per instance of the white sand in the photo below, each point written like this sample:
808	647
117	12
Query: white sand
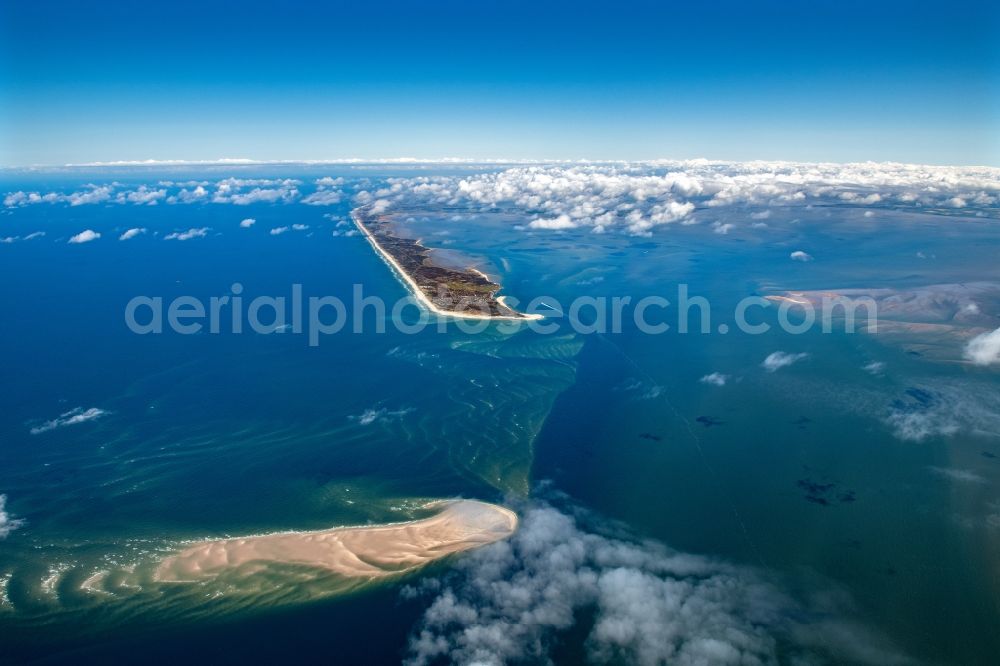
369	552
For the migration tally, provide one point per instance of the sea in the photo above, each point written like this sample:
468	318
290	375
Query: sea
119	447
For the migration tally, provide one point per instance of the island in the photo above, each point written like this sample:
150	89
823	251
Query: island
448	292
367	552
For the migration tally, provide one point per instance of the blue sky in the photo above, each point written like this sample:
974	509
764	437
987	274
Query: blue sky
803	80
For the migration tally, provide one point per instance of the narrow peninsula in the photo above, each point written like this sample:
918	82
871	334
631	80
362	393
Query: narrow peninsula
448	292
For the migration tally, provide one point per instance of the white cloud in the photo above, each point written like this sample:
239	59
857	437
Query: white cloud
258	195
142	195
960	475
780	359
381	415
199	193
561	222
8	523
715	379
277	231
637	197
984	349
944	410
380	206
323	198
7	240
916	426
187	235
300	227
723	229
634	197
72	417
248	222
874	368
511	602
92	196
799	255
132	233
642	390
236	191
85	236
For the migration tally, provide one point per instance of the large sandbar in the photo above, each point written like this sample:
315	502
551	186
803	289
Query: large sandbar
368	551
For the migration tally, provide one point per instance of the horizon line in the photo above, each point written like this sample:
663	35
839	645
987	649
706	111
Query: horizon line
242	161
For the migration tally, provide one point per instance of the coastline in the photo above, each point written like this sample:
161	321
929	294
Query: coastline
422	298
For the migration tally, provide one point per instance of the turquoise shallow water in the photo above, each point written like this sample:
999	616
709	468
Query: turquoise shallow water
797	472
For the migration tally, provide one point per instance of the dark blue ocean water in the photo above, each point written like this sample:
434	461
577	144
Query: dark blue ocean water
208	435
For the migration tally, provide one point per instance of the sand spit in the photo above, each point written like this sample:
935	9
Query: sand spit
355	552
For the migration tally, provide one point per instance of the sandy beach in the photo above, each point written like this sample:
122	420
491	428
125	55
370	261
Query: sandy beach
356	552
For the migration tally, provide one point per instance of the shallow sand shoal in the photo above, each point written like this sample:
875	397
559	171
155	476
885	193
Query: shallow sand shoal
369	551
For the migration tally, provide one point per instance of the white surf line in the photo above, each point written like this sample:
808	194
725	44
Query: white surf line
422	298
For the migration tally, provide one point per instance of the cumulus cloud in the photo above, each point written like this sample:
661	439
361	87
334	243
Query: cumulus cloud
72	417
142	195
561	222
132	233
259	195
715	379
984	349
199	193
277	231
638	197
380	206
323	198
780	359
187	235
246	191
635	197
248	222
799	255
85	236
93	194
8	523
510	602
